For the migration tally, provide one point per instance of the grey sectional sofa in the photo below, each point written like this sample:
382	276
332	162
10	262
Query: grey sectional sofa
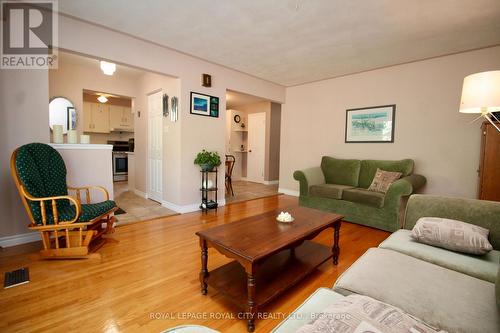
448	290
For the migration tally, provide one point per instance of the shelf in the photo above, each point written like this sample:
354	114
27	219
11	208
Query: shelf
240	151
213	171
240	130
274	276
209	189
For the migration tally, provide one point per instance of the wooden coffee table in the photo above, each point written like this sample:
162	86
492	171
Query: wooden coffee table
270	256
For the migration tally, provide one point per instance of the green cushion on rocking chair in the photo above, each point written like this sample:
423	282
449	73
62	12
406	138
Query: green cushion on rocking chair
42	172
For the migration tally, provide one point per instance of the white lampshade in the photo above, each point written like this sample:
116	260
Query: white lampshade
481	93
108	68
102	99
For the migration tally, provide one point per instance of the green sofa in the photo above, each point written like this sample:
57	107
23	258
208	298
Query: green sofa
340	186
448	290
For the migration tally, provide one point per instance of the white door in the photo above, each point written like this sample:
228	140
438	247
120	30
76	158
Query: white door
256	147
155	146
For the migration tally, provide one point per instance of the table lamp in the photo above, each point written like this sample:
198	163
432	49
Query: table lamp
481	94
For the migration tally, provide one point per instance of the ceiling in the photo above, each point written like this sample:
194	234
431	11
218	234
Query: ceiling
76	59
235	99
296	41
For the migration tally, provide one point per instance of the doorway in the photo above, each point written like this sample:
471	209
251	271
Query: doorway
253	127
155	146
256	147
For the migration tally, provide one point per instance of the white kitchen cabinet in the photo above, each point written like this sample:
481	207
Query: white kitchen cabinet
121	118
95	117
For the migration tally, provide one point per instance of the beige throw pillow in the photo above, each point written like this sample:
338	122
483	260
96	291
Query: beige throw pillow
357	313
452	235
382	180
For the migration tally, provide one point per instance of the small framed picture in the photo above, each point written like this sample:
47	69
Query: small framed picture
204	105
370	124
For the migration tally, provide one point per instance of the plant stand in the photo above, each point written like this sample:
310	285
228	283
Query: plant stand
208	194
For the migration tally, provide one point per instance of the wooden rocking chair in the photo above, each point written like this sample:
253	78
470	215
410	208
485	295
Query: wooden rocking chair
68	228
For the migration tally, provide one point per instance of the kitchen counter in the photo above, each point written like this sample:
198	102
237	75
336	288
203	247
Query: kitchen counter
80	146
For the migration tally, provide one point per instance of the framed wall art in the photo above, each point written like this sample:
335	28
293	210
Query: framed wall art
370	124
204	105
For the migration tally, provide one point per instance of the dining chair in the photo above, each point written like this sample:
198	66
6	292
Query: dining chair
230	161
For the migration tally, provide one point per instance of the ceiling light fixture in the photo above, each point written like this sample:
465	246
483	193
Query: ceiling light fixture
108	68
481	94
102	99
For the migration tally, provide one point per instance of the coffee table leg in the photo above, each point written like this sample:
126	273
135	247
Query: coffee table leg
204	270
336	247
251	302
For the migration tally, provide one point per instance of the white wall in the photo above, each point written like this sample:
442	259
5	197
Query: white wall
429	128
69	80
149	83
24	118
25	105
196	132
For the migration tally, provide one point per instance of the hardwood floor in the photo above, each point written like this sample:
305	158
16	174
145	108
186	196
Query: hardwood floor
147	281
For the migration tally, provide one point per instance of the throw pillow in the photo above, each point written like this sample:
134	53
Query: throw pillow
452	235
358	313
382	180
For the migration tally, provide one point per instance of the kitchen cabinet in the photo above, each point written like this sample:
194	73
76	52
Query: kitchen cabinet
96	118
121	118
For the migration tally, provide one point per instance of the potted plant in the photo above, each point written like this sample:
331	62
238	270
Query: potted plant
207	160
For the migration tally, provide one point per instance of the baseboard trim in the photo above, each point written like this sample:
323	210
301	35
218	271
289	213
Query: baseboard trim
271	182
184	209
141	194
289	192
14	240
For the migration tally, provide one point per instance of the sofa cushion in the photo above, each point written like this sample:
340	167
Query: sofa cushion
314	304
440	297
332	191
340	171
479	212
358	313
369	168
382	180
452	235
482	267
365	197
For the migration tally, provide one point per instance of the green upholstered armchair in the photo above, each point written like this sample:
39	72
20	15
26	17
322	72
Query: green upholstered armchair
341	186
68	227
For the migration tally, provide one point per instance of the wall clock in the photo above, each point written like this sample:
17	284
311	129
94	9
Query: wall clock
237	119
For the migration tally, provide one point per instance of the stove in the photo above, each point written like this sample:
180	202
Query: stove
120	160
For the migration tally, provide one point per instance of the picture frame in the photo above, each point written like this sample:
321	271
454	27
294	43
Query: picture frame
204	105
374	124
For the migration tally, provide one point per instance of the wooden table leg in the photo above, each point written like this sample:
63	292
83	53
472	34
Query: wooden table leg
336	247
204	270
252	309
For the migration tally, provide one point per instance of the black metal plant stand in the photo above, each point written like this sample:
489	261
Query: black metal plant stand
208	194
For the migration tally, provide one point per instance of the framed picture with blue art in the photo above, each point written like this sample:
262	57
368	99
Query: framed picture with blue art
370	124
204	105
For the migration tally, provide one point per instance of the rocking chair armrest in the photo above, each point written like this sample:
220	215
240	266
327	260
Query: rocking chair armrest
87	191
78	206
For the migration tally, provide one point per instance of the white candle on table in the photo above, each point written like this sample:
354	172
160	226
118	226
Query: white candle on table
85	139
57	134
72	137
